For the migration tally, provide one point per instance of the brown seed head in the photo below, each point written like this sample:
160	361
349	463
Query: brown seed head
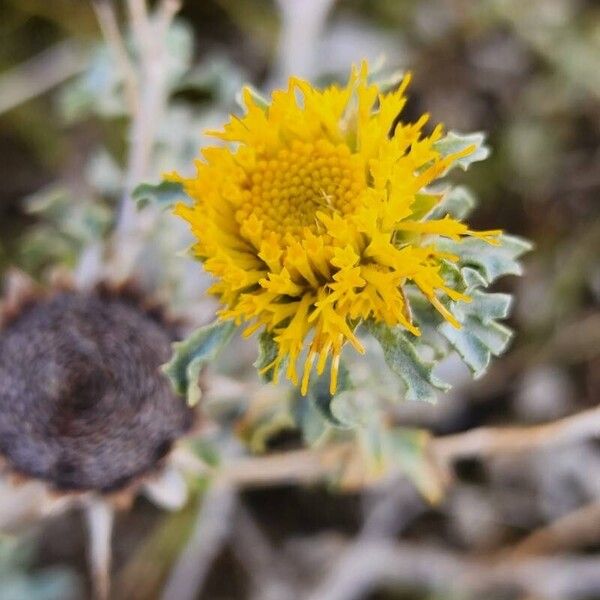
83	404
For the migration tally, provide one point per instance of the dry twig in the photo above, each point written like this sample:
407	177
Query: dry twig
384	563
99	515
213	527
40	74
489	441
107	20
573	531
310	465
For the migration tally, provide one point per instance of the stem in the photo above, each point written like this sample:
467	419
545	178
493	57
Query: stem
99	516
312	465
146	92
131	228
212	528
107	20
301	27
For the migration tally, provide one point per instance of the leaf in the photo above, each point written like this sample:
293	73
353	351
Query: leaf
386	79
403	359
103	173
164	195
456	142
267	352
470	348
407	449
487	307
355	408
319	395
190	355
458	202
310	420
97	91
472	279
481	336
491	261
494	336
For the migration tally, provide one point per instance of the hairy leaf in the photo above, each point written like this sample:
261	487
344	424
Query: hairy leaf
480	336
491	261
319	395
455	142
163	195
458	202
190	355
403	359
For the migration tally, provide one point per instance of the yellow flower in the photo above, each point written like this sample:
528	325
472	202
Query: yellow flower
313	221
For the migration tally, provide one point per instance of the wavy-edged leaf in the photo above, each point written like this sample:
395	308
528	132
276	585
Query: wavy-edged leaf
407	449
457	202
481	336
491	261
192	354
163	195
310	420
456	142
487	307
403	359
320	396
387	79
471	349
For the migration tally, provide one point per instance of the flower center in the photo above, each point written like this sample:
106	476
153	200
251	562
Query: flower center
285	190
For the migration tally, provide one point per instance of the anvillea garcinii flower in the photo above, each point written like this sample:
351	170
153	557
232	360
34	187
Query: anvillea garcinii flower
314	220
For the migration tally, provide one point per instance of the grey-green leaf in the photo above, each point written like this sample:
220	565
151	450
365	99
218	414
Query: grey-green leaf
487	307
491	261
403	359
387	79
319	395
455	142
472	350
458	202
163	195
481	336
190	355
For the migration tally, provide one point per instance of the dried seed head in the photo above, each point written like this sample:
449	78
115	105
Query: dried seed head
83	404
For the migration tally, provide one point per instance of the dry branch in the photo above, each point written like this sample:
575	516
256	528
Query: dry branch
40	74
432	569
573	531
107	20
489	441
310	465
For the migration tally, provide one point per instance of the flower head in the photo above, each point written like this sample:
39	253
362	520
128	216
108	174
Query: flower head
313	221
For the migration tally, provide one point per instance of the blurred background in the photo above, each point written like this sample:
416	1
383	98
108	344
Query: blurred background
528	74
